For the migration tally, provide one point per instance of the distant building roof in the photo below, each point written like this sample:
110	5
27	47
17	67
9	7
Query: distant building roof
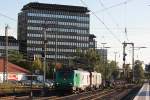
12	68
43	6
10	39
91	36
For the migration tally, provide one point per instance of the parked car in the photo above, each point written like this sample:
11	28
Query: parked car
28	82
49	83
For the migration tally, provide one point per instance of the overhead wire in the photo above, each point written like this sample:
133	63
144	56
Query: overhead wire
115	5
12	19
125	16
112	18
3	15
102	22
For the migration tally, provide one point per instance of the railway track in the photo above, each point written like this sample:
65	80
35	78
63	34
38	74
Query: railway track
46	98
82	96
107	96
100	94
68	97
96	95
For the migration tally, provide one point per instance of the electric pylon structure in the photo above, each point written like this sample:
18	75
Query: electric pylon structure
124	57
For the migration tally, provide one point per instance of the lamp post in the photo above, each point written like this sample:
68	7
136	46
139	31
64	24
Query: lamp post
56	40
44	55
5	73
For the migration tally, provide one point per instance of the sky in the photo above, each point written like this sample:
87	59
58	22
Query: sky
113	17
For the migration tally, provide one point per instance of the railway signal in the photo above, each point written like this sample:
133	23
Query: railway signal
124	57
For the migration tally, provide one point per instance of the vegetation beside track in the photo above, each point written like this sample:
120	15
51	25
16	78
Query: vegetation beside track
9	88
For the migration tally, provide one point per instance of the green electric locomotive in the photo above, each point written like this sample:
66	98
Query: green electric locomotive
73	80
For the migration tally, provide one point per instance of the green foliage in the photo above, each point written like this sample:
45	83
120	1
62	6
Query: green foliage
128	73
50	70
16	57
89	59
112	70
138	71
37	64
7	88
93	60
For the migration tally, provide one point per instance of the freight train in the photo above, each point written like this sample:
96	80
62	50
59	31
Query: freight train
77	80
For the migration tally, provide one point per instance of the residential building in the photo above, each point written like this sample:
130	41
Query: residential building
14	72
67	29
12	44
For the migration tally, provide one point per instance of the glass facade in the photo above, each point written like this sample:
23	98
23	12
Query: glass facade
69	27
12	44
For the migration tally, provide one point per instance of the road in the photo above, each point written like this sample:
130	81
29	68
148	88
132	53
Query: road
144	93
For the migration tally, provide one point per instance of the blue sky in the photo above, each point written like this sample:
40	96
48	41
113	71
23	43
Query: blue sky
134	15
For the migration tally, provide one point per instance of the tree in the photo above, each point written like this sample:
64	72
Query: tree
138	71
112	70
37	64
50	70
15	57
128	73
89	59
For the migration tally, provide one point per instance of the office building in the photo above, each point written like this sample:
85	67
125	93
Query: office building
67	29
12	45
103	54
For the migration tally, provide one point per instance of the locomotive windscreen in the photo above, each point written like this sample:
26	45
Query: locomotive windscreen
65	75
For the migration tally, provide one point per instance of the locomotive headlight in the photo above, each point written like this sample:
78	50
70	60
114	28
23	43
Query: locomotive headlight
73	88
57	83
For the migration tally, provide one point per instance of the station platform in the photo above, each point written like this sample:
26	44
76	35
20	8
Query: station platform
144	93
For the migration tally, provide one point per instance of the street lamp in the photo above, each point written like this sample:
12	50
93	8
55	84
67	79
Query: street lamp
103	44
5	70
45	41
